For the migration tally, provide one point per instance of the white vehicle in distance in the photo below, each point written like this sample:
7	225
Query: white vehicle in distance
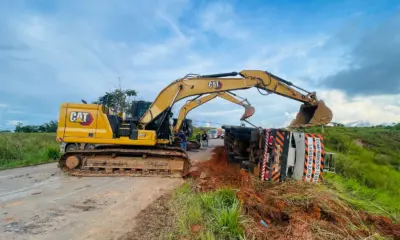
212	134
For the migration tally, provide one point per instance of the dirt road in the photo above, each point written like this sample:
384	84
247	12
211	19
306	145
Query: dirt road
42	203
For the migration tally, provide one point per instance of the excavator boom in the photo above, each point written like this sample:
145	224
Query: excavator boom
312	112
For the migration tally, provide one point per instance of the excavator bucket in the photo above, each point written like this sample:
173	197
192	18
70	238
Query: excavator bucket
314	115
248	112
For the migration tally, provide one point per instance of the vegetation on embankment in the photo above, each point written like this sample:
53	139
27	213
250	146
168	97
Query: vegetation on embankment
226	202
25	149
368	164
209	215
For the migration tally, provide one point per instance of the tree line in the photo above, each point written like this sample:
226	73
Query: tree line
117	100
44	128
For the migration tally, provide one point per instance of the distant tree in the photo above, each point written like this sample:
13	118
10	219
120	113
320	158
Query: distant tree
335	124
118	100
49	127
27	129
19	127
46	127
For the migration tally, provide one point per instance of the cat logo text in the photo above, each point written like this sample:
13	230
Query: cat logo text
83	118
215	84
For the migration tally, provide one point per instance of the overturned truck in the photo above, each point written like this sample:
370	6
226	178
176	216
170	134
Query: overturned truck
276	154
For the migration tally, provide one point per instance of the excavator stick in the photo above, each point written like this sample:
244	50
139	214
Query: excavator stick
312	115
248	112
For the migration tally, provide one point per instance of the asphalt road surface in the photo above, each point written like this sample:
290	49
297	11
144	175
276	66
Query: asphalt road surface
40	202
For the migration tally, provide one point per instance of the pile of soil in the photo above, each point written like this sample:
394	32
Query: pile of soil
217	172
292	209
154	222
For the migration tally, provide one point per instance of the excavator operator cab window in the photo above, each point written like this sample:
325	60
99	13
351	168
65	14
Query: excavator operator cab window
138	109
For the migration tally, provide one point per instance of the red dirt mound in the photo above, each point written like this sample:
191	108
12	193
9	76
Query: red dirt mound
292	209
216	173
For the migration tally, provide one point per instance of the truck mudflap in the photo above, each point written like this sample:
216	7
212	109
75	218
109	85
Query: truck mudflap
166	161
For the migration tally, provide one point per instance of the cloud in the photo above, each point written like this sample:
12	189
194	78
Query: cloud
14	122
374	62
69	50
374	109
3	105
220	18
11	111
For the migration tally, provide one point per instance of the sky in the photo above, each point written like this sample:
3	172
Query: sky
348	52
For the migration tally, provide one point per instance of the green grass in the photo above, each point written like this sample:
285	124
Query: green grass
25	149
217	214
372	200
369	174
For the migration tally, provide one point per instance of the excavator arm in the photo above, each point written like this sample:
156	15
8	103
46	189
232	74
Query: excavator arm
194	103
312	111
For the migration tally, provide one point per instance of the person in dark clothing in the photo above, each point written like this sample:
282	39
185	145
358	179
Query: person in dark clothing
198	138
205	139
183	139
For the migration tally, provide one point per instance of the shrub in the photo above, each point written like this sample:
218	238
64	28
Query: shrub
23	149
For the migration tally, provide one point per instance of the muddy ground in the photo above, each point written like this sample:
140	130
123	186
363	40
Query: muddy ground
42	203
289	210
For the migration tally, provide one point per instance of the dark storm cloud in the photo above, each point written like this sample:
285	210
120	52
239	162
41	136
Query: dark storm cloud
374	62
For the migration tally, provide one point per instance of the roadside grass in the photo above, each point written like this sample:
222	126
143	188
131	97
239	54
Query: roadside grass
368	167
209	215
26	149
373	201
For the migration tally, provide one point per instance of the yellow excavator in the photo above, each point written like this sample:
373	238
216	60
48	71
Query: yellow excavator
183	124
142	144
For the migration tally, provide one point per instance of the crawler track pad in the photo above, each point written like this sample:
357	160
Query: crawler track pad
172	162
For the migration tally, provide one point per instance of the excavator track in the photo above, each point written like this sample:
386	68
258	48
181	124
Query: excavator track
114	161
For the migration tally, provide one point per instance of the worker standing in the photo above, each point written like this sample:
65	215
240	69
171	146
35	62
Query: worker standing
202	143
205	139
182	136
198	138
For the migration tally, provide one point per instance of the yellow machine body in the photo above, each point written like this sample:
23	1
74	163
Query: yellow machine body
87	123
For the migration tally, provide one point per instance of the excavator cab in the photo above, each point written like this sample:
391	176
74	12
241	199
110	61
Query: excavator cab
138	109
309	115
